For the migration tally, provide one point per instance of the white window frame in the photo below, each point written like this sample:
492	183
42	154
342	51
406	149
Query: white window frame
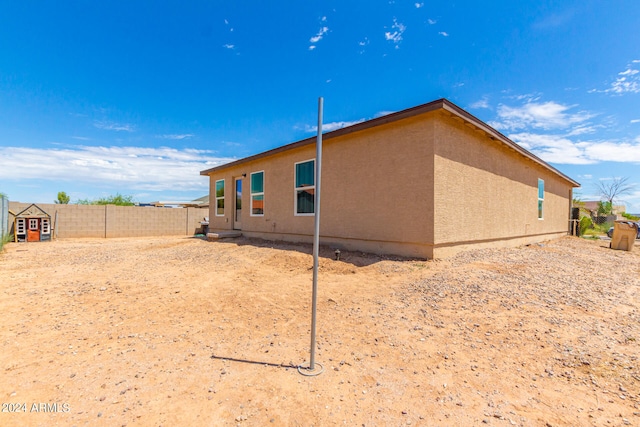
21	226
215	192
251	193
33	224
308	187
540	200
45	226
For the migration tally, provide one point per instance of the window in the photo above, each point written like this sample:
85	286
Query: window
305	187
257	193
21	226
45	226
33	224
220	197
540	198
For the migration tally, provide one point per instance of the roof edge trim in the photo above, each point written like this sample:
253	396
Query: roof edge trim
438	104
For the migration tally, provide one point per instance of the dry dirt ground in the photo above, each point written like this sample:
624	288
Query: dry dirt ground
185	332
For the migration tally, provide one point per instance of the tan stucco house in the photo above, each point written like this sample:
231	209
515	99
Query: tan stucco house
424	182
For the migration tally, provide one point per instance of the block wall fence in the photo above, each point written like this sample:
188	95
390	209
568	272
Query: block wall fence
107	221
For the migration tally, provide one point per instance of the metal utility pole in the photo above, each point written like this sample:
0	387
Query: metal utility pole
312	370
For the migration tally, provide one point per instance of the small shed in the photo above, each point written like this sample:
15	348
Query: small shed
32	225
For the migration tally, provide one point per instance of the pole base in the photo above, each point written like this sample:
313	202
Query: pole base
308	372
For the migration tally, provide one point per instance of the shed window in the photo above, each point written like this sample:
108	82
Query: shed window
257	193
305	187
21	226
220	197
33	224
540	198
45	226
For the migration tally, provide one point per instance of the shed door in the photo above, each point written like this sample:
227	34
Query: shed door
33	232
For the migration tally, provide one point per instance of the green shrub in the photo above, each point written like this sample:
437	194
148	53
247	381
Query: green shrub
630	217
5	239
585	224
604	227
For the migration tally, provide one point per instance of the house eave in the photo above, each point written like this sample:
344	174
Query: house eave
439	104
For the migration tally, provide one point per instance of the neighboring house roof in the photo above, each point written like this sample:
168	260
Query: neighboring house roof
200	202
592	205
440	104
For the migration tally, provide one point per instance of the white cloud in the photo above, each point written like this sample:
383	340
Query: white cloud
635	121
554	20
553	148
481	103
431	21
176	136
396	35
137	168
628	81
320	35
545	115
114	126
229	46
581	130
628	72
443	33
363	44
624	85
614	152
328	127
383	113
419	5
561	149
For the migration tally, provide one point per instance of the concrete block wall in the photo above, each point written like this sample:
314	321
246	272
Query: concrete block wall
74	221
77	220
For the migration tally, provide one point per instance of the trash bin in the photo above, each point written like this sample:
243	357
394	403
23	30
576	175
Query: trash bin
624	235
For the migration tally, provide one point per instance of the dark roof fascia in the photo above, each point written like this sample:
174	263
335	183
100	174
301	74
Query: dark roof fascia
431	106
442	103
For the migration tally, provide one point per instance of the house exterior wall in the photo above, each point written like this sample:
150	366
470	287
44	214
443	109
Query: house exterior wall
487	194
425	185
377	191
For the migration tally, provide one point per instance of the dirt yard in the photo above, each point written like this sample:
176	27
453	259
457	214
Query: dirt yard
184	332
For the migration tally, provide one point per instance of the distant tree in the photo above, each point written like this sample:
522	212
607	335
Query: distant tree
611	190
604	208
63	199
117	199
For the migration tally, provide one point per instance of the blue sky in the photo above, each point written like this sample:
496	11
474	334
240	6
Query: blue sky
131	97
